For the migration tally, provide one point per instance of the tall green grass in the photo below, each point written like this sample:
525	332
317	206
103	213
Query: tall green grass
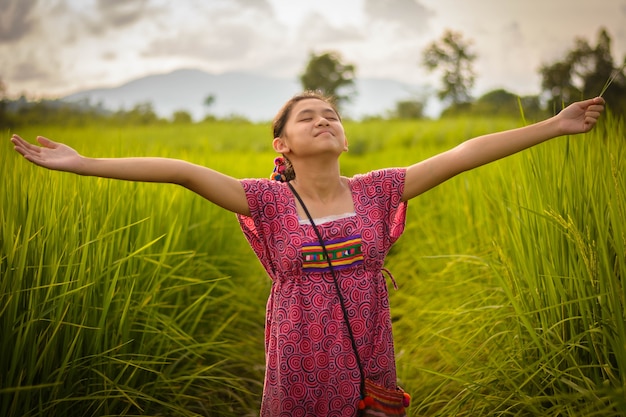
142	299
520	279
118	298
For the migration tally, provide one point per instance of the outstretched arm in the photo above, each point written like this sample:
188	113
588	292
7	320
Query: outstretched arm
579	117
216	187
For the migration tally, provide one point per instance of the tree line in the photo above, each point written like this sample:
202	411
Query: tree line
586	70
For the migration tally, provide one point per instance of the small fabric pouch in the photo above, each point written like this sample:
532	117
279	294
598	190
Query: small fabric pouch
379	401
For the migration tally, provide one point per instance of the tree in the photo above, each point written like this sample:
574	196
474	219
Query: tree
181	117
583	73
409	109
3	105
451	54
328	74
504	103
141	113
208	102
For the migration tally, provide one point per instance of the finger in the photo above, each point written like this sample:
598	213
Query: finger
29	155
590	121
29	151
599	100
19	142
47	142
592	102
596	107
20	149
593	114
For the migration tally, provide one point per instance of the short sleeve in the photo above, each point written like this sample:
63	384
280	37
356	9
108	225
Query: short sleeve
380	193
268	202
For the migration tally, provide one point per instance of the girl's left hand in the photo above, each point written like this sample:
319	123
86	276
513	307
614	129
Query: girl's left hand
580	117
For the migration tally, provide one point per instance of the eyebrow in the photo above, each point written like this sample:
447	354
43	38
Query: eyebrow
325	111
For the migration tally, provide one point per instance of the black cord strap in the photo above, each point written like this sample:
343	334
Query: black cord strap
341	299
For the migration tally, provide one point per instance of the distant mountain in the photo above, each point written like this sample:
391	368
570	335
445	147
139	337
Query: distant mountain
253	96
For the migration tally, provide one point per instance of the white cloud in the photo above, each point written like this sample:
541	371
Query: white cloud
317	30
16	19
58	46
121	13
407	14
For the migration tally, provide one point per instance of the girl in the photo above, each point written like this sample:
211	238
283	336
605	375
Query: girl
328	327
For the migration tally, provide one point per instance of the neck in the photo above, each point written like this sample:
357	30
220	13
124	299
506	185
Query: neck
321	182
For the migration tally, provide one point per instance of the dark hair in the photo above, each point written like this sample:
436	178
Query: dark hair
279	122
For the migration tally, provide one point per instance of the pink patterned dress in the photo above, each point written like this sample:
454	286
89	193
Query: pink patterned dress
311	369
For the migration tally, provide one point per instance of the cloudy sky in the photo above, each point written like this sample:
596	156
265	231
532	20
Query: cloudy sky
50	48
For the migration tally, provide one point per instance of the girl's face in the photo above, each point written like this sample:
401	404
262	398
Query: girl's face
313	125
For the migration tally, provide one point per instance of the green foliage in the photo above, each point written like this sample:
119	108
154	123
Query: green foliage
453	56
181	116
119	298
409	109
22	112
583	73
208	102
141	113
503	103
327	73
4	117
538	240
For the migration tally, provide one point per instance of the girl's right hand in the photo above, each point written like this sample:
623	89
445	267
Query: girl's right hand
50	154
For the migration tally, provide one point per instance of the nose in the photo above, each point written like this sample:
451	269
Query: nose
322	121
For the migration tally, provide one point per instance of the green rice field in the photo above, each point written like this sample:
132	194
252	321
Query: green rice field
128	299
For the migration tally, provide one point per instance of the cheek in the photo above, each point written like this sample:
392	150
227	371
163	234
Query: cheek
294	130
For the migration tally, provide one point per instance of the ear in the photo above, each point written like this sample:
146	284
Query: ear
345	144
279	145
